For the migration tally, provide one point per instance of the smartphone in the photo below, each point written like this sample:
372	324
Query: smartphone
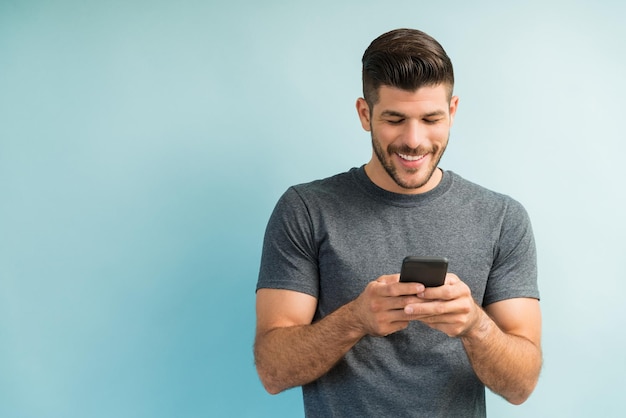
430	271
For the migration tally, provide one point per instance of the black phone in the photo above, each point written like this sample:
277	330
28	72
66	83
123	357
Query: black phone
430	271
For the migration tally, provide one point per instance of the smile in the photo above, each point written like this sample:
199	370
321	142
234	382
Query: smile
411	157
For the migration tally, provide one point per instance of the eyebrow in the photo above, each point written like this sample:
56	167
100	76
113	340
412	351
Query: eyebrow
394	113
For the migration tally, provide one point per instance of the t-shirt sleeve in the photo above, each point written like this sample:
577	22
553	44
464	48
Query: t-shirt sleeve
289	257
514	270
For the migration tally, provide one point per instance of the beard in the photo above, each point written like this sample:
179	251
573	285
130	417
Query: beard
410	182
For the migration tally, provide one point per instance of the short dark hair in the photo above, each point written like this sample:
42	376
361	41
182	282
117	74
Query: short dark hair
407	59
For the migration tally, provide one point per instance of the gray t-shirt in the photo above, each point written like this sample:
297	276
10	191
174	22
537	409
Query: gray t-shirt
330	238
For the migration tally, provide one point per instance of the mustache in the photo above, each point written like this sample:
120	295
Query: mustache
404	149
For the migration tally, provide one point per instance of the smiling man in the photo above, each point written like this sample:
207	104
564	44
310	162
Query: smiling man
332	315
410	131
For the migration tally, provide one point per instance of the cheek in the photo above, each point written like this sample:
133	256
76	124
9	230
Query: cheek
441	133
388	133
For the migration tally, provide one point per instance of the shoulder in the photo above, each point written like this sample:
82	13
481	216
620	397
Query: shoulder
323	191
484	198
337	183
302	200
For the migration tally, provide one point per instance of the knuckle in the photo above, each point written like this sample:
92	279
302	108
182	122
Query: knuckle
417	309
379	327
375	306
440	308
393	291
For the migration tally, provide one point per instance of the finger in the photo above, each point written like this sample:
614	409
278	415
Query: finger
451	324
401	289
388	322
426	309
440	310
394	306
452	288
389	278
395	327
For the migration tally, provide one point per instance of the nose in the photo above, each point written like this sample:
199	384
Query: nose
414	134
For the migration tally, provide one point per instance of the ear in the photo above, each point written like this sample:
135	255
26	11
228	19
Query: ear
363	110
454	103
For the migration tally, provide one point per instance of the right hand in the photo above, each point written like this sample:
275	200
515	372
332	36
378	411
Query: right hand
379	309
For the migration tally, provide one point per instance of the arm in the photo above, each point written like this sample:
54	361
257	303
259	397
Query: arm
505	347
291	351
503	342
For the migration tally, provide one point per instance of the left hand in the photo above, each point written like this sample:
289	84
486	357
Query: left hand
449	308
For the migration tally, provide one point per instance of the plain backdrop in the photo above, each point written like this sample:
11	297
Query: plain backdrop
143	145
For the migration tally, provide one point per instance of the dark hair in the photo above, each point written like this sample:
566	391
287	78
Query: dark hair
407	59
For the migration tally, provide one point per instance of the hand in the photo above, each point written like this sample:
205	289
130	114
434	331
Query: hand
380	308
449	308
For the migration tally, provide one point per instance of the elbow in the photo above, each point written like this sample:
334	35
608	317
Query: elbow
522	395
268	376
274	380
269	384
518	400
272	390
266	373
527	385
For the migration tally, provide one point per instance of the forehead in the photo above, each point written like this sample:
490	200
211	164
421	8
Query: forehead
426	99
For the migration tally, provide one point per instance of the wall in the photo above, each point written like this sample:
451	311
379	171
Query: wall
143	145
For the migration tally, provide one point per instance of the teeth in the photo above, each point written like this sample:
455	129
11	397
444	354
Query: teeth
410	157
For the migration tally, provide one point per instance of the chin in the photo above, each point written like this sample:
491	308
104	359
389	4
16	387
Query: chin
413	183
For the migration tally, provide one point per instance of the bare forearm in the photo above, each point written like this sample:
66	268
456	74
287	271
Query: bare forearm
507	364
293	356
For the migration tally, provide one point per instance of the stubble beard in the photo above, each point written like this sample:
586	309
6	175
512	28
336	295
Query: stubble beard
384	157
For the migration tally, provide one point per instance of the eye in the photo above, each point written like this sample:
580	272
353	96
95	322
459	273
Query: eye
395	121
431	121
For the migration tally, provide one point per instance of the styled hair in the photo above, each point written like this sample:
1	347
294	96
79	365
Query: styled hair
407	59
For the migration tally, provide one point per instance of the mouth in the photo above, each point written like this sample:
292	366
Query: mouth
412	162
411	158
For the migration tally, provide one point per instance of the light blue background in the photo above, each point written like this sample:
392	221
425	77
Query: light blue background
143	145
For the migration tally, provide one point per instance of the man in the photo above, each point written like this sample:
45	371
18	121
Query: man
333	317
